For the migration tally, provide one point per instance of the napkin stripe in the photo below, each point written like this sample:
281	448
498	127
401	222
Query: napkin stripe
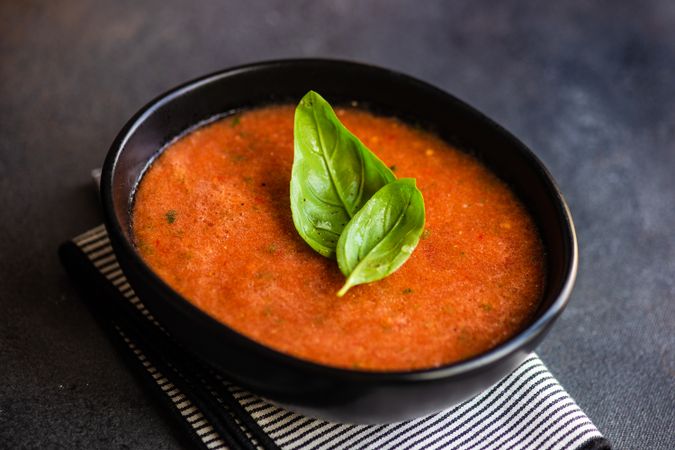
560	397
490	397
449	438
414	428
561	408
559	413
488	430
527	409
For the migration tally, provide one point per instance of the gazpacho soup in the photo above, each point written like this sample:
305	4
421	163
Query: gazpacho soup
212	217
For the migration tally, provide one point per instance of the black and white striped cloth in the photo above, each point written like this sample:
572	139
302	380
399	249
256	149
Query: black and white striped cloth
528	409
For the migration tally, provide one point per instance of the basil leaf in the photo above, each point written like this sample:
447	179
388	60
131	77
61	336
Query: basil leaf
382	235
333	176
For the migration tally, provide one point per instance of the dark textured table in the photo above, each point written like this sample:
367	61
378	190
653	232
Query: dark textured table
590	86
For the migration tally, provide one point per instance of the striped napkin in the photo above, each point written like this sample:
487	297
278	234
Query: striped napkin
528	409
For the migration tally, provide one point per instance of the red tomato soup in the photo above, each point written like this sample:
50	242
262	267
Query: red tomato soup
212	218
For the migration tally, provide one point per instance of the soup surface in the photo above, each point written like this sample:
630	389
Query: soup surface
212	217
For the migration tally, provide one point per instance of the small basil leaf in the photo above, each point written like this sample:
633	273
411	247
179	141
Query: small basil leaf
382	235
333	175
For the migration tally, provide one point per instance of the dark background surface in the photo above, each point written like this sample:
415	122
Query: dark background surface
590	86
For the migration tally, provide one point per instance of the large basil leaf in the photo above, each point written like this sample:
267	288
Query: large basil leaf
333	176
382	235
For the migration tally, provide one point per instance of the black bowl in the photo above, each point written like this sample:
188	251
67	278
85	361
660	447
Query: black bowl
314	389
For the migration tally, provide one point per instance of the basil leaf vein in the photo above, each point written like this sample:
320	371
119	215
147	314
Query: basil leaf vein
333	174
382	235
